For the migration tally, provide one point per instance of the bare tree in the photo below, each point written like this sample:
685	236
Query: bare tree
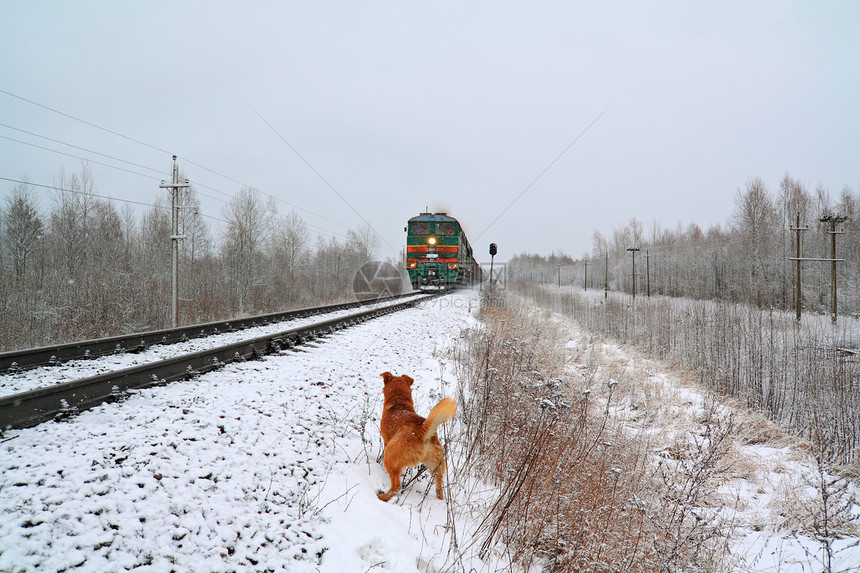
363	242
289	252
22	227
70	219
754	218
243	243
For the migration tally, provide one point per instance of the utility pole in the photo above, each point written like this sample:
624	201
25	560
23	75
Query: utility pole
558	267
648	273
606	278
798	304
833	220
633	251
585	279
175	188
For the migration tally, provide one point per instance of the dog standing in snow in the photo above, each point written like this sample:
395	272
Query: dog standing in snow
410	439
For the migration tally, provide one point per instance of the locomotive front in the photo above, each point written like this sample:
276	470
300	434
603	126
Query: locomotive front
438	255
434	249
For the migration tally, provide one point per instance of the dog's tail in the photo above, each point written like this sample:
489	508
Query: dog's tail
441	412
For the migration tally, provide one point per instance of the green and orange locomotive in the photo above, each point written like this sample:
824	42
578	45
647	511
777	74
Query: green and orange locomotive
438	254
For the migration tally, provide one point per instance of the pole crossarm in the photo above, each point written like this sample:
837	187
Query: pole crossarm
816	259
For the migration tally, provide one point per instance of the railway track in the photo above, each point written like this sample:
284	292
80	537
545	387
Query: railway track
33	407
53	355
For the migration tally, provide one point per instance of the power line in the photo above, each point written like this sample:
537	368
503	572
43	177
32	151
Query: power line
323	179
88	160
97	196
317	228
79	157
187	160
75	147
37	104
541	174
196	183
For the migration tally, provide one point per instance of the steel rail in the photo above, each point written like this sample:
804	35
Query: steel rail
31	408
47	355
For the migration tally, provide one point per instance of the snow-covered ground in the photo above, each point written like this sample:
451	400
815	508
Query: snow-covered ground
766	492
12	383
273	465
270	464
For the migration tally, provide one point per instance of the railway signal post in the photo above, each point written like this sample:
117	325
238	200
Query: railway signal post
493	251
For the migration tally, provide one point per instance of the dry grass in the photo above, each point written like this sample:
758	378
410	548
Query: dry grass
557	430
766	476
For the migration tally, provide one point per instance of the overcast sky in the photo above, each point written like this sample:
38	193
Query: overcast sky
374	111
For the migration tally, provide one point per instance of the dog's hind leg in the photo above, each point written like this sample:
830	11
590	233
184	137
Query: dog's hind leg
394	470
435	462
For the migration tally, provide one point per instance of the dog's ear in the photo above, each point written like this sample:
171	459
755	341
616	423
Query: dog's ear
387	376
409	380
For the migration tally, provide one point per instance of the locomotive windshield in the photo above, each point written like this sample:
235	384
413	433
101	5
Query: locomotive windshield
420	228
444	228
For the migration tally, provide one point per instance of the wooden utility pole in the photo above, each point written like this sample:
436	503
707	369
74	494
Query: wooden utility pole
799	294
633	251
585	279
175	201
648	273
606	278
833	220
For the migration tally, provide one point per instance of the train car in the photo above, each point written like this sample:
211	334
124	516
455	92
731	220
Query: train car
438	254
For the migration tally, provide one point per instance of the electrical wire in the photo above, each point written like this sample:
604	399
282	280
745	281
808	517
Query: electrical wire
79	157
97	196
542	173
324	180
76	147
197	184
139	142
317	228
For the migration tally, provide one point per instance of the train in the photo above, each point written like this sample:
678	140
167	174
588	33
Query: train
438	254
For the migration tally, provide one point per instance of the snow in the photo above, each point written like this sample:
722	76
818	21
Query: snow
270	464
766	484
274	465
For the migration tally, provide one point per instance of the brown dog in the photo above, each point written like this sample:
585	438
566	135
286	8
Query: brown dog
410	439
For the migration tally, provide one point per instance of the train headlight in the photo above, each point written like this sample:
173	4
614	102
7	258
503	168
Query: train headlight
431	241
411	265
452	265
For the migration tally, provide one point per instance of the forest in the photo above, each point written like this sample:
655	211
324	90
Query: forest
84	268
746	259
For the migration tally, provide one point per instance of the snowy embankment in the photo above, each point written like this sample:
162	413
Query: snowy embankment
12	383
270	464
